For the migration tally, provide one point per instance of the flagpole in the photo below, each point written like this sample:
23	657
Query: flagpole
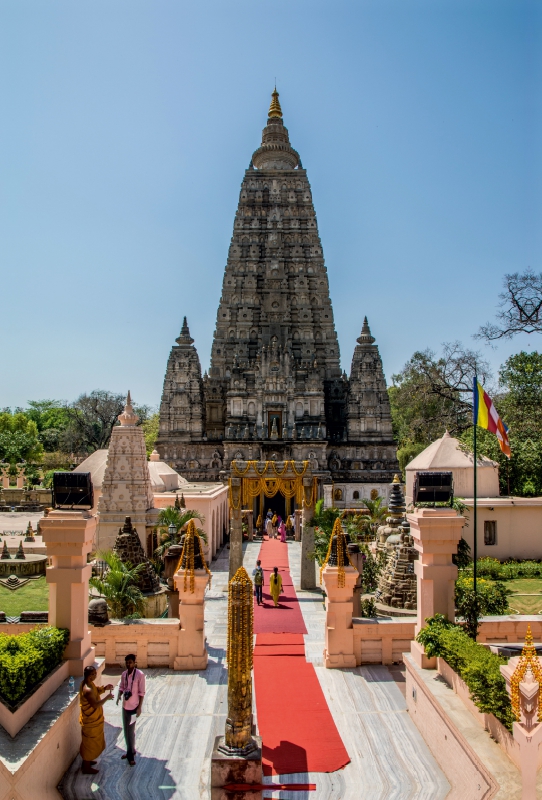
475	540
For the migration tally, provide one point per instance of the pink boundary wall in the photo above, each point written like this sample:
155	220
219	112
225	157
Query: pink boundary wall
37	775
468	776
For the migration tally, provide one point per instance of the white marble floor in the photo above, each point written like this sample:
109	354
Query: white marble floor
184	712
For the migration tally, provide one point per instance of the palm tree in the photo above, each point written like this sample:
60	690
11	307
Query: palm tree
375	516
119	586
179	518
323	521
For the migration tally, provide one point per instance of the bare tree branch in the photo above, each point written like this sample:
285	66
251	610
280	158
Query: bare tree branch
520	308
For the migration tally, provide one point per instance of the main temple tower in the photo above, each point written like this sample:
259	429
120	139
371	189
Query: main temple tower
275	389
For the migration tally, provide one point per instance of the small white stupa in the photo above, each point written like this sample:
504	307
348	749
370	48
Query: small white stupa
126	489
446	455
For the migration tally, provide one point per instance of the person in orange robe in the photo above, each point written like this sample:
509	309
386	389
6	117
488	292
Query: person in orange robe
91	719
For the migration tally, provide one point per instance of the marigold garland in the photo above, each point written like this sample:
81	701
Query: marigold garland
528	660
240	628
341	550
188	551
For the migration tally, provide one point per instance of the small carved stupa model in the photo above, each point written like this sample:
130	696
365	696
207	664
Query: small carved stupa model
128	548
29	533
397	584
5	552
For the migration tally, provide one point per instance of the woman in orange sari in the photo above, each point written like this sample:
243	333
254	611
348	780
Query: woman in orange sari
91	719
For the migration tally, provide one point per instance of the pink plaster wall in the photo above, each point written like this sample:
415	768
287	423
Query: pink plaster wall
469	778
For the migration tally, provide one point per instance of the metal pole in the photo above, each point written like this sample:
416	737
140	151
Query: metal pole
475	541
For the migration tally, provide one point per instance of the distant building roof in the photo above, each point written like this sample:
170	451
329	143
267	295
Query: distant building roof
95	464
446	454
163	477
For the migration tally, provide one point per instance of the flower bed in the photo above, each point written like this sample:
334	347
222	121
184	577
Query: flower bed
474	663
26	658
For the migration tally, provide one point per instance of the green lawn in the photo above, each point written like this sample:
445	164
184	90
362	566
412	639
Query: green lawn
33	596
527	597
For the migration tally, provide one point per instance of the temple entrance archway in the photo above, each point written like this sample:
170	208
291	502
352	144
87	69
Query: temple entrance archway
281	486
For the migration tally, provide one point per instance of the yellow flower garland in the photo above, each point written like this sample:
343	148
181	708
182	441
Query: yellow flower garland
528	660
189	550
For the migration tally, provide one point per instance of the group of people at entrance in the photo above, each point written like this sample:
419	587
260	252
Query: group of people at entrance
131	691
274	524
275	583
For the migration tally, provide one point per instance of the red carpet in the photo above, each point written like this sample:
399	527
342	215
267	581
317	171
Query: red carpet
287	618
294	721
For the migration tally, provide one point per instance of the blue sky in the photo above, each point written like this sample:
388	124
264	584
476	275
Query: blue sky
126	129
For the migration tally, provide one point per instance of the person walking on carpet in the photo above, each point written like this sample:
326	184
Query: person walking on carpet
282	530
257	574
275	585
269	528
91	719
132	691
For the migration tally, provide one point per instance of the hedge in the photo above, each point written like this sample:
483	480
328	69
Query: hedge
473	662
492	595
26	659
506	570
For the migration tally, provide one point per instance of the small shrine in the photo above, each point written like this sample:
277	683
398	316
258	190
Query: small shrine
129	549
396	590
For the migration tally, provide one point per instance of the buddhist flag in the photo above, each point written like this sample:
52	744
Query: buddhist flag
485	415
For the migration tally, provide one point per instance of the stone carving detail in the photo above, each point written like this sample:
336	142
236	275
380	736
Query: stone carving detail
275	379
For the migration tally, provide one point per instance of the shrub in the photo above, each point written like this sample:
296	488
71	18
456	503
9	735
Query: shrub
492	595
25	659
474	663
506	570
368	607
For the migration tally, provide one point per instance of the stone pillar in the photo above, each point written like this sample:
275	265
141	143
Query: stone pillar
339	646
5	478
68	538
308	575
236	529
20	479
191	652
250	524
297	514
356	557
436	533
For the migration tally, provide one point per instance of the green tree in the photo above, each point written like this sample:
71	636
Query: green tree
51	418
372	519
119	586
323	521
19	439
519	403
434	393
92	418
151	427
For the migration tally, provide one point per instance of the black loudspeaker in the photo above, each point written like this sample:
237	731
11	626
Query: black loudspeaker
72	490
433	487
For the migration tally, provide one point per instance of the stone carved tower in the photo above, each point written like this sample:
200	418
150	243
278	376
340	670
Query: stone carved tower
126	486
275	388
368	411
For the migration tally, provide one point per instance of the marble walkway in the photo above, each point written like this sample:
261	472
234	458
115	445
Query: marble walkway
184	712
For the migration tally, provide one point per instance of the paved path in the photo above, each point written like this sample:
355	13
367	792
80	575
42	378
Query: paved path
184	712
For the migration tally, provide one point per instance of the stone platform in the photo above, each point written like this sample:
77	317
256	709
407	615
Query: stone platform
184	712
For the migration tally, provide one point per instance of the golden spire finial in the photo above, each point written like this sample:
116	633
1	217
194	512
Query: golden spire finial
274	109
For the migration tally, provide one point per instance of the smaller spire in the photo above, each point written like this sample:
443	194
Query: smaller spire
184	336
365	337
128	417
274	109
